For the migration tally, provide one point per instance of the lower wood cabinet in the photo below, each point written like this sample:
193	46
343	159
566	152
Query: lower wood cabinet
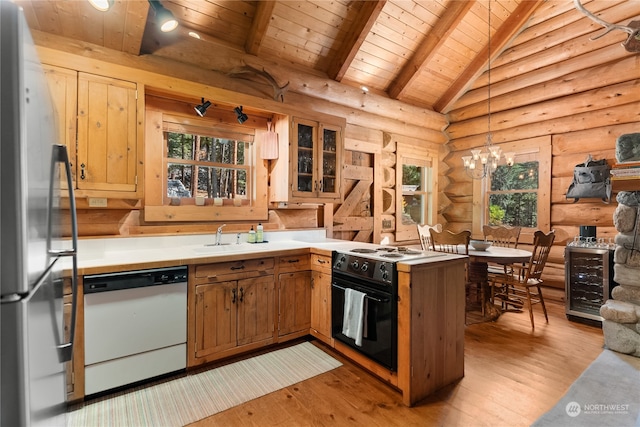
294	303
233	313
75	367
321	298
230	313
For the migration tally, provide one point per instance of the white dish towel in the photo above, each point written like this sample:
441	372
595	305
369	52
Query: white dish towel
353	320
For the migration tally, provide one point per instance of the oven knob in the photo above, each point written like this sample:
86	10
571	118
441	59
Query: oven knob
383	267
355	265
365	266
385	275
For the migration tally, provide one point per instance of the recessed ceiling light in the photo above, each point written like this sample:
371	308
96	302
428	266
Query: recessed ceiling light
194	35
101	5
364	89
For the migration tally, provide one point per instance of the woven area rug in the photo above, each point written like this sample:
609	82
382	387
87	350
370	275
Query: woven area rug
193	397
607	393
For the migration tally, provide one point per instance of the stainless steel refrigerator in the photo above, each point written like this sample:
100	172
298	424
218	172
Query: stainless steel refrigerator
33	255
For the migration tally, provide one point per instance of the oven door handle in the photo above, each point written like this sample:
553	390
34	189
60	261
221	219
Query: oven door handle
385	300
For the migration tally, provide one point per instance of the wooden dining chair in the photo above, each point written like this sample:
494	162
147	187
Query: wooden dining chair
456	243
503	236
425	236
450	242
522	286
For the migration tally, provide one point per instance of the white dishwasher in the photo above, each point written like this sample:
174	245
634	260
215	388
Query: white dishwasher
135	326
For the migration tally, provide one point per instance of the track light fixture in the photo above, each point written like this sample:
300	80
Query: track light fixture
202	108
242	117
164	17
102	5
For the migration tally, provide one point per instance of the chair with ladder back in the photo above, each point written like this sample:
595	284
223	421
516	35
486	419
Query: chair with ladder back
425	235
521	286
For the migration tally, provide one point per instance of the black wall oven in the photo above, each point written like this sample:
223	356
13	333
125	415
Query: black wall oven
377	280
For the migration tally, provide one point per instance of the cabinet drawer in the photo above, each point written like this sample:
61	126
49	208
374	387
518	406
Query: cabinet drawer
321	263
294	263
243	266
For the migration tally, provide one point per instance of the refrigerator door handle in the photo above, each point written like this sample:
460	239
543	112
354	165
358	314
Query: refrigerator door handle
65	350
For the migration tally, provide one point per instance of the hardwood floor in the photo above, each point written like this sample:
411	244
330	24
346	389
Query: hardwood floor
512	376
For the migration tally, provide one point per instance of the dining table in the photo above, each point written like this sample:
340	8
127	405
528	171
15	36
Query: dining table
479	261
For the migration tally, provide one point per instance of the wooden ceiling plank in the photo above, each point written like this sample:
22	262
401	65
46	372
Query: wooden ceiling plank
503	36
134	25
443	28
354	39
259	26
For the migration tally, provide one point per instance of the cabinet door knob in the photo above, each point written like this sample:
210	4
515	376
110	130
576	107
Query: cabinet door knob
82	175
241	294
233	295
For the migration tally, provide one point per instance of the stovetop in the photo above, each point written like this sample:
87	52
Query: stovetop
375	263
389	253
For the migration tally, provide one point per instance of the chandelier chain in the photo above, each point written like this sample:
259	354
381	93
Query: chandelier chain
489	78
482	164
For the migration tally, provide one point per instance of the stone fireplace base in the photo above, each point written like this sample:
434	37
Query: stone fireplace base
621	325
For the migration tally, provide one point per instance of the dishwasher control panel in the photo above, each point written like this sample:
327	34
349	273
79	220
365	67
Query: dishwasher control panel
134	279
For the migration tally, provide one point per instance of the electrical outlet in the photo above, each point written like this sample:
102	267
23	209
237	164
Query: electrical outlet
386	223
97	202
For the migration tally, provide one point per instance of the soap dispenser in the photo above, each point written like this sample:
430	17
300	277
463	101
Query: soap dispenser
259	233
251	237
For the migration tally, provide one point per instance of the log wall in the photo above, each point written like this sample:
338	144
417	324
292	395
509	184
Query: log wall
552	81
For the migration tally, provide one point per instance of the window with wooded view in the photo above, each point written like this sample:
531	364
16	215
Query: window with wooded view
513	195
207	166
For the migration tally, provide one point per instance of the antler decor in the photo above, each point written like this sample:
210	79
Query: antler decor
247	72
633	29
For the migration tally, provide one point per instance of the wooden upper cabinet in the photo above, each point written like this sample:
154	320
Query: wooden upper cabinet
107	155
63	85
98	122
308	170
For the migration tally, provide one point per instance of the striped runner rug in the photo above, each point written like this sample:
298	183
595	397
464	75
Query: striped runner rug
193	397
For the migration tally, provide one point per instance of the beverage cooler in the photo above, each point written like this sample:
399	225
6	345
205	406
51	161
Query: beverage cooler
588	281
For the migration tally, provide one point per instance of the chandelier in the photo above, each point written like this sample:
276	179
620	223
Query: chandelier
483	163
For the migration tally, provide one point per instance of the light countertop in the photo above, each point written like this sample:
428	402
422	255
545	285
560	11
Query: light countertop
131	253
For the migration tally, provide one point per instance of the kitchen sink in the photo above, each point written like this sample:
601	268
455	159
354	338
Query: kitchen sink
212	248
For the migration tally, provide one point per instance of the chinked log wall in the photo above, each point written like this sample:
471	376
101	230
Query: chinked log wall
373	122
553	82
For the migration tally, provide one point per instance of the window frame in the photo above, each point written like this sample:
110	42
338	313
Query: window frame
249	153
156	210
533	149
424	157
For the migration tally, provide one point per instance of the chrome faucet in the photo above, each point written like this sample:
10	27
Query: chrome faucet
219	234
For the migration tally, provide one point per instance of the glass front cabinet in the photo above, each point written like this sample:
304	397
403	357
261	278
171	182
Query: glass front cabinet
313	168
315	150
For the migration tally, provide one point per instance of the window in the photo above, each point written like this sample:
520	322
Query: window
207	166
416	192
513	195
202	168
517	195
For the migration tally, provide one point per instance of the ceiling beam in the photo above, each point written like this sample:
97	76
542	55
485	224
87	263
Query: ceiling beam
259	26
134	24
503	36
429	46
351	44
